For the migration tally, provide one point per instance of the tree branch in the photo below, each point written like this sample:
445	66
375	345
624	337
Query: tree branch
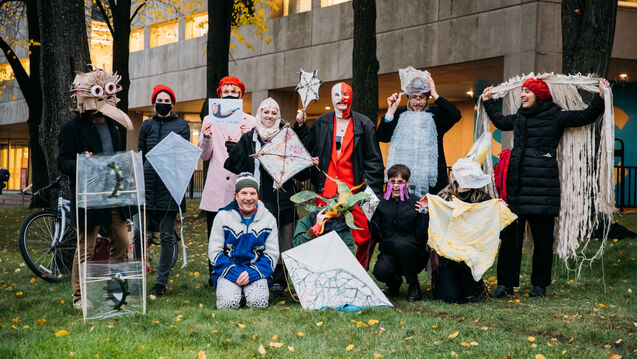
108	22
18	70
136	11
2	2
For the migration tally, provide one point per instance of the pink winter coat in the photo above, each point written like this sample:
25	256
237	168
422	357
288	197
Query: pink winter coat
218	190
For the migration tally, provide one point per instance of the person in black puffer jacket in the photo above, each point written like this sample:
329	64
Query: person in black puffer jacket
401	233
277	201
533	185
161	207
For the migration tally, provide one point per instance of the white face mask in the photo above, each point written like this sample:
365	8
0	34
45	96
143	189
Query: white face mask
342	92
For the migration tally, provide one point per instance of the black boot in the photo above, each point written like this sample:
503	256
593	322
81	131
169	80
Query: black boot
501	291
537	291
393	288
414	293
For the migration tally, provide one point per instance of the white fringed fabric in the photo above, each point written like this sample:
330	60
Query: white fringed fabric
586	165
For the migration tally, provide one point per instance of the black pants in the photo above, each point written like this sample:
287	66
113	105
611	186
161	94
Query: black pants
400	258
452	282
510	254
210	217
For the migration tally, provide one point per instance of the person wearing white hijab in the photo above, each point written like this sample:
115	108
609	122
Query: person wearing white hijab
277	201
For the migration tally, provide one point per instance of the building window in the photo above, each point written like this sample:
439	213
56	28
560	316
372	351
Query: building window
325	3
288	7
6	72
164	33
14	156
101	46
196	25
136	40
628	3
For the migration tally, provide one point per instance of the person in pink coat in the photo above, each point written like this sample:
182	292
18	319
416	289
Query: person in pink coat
218	190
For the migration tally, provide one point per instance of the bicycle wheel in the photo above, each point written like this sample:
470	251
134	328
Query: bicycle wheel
52	263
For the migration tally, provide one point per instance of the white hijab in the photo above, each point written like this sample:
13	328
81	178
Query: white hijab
267	132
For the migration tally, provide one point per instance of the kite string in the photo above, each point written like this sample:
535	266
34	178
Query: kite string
181	232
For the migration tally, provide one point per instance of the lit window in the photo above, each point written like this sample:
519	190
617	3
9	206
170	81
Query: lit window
101	46
15	157
164	33
196	25
136	40
325	3
6	72
287	7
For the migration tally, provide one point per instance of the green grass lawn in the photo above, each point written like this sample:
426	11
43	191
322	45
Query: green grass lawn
578	319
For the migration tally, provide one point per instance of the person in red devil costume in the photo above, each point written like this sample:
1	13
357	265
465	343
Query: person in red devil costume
345	143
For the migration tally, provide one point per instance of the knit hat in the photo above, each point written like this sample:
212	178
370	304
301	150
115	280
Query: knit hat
245	180
160	88
231	80
538	87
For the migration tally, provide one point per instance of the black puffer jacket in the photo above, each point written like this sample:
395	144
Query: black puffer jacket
396	220
276	201
445	116
367	160
533	185
158	198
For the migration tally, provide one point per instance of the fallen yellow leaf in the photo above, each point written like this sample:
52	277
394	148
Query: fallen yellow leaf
62	333
62	301
18	294
318	324
152	297
434	326
402	322
261	349
32	280
563	352
376	355
619	341
255	336
154	322
454	354
196	274
372	321
42	321
241	325
409	338
603	305
275	337
465	344
201	355
360	324
473	344
484	328
300	334
614	356
539	356
291	348
531	339
349	347
454	334
276	344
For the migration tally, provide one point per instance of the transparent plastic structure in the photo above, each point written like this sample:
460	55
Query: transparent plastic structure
105	181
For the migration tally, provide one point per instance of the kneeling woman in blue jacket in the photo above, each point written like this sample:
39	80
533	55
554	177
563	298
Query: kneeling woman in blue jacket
243	248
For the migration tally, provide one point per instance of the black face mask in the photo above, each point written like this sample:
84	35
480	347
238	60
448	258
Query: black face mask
232	97
163	108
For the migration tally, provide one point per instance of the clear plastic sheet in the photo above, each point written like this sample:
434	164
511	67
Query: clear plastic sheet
112	290
110	180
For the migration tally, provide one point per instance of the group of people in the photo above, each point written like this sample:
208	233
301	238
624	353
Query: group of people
250	220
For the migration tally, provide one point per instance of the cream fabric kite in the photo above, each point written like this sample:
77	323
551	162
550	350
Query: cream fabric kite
467	232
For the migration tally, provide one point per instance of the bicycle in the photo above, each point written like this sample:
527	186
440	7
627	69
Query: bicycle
48	239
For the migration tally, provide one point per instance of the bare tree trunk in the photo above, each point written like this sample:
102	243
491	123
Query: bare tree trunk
121	48
588	31
64	51
364	61
218	47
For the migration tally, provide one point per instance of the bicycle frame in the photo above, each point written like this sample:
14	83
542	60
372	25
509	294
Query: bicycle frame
63	207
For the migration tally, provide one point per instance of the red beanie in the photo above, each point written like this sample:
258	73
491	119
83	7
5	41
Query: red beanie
160	88
538	87
231	80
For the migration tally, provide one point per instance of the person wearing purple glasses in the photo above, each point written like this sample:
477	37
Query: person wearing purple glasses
400	230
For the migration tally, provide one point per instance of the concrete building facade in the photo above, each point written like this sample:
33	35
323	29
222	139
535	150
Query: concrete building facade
465	44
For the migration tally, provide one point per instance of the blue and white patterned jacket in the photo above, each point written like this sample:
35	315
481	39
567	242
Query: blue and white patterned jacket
240	244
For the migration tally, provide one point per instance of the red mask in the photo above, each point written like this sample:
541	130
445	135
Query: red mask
342	92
